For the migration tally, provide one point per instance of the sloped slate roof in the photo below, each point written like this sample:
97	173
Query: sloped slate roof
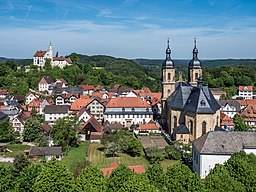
193	99
182	129
56	109
45	151
223	142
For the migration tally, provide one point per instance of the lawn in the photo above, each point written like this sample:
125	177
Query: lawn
16	149
168	163
75	156
97	157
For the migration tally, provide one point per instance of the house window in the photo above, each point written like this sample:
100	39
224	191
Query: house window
203	128
191	126
175	121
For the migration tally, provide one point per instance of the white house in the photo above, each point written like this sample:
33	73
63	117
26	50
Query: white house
229	107
217	147
45	83
87	89
61	62
30	97
18	122
55	112
128	111
83	114
246	92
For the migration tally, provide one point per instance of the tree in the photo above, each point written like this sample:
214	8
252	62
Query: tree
172	153
20	162
180	178
27	178
32	129
64	132
220	180
6	131
242	167
54	177
155	155
6	179
48	65
156	176
240	125
111	149
118	177
90	180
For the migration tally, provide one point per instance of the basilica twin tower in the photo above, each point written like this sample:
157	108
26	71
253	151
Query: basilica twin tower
168	72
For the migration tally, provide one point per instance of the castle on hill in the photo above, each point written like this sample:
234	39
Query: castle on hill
41	57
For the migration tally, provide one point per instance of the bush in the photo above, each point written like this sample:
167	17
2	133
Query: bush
172	153
155	155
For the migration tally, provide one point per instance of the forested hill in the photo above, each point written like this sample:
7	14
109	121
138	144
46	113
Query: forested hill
182	63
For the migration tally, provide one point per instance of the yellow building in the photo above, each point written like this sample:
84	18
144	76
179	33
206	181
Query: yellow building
190	110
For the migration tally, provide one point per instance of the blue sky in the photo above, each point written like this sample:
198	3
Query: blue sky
129	28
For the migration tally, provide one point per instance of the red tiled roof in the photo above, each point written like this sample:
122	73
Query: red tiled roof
87	87
79	103
98	94
34	103
250	101
241	102
225	120
97	126
115	165
244	88
134	102
40	54
249	111
4	92
151	125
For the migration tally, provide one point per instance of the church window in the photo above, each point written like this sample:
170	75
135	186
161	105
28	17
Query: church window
191	127
174	121
203	127
169	76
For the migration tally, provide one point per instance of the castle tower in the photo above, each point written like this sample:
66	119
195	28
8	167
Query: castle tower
194	68
50	51
168	75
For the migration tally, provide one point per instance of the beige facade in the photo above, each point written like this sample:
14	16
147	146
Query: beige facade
168	82
193	75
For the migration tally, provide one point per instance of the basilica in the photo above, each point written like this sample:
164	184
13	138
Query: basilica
189	109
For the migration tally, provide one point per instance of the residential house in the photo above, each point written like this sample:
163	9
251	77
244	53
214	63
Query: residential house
34	105
4	94
128	111
90	130
217	147
88	89
19	98
111	127
66	99
45	83
95	107
18	123
230	107
61	83
46	129
245	92
43	103
217	93
83	114
30	97
11	111
249	115
46	152
55	112
147	128
226	122
67	90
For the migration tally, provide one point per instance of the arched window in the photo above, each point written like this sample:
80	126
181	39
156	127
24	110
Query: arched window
175	123
168	91
203	127
169	76
191	126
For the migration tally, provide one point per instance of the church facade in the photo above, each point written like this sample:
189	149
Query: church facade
189	108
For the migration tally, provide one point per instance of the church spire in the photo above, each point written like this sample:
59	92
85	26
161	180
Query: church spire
168	63
195	50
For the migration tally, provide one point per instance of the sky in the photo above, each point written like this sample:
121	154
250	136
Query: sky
129	28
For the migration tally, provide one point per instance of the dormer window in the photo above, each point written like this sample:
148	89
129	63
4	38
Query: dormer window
147	109
203	103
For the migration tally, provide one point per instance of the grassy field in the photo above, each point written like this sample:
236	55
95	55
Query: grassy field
168	163
75	156
16	149
97	157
